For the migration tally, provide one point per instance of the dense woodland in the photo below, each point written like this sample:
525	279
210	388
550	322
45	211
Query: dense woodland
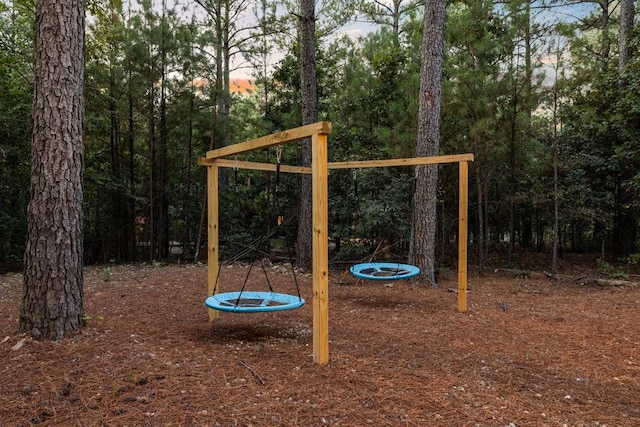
545	95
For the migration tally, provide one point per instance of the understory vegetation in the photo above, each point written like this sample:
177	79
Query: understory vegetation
548	105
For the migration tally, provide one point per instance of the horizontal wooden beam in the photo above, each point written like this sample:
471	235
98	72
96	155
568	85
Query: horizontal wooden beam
271	140
356	164
227	163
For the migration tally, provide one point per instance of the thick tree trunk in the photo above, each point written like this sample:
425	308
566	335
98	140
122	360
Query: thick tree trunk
52	303
309	97
627	15
625	221
424	224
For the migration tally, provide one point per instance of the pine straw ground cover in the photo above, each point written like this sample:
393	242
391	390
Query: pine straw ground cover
529	352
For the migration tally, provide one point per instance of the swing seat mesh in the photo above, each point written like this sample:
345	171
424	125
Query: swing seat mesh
384	271
253	302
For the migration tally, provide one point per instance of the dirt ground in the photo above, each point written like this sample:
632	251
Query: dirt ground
529	352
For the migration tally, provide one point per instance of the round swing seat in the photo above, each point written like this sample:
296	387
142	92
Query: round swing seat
384	271
253	302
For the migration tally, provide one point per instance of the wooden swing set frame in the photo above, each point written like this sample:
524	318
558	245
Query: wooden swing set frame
319	170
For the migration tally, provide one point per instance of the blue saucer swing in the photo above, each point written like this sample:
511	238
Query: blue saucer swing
384	271
253	302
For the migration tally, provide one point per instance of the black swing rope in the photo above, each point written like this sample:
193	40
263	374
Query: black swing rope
248	301
281	222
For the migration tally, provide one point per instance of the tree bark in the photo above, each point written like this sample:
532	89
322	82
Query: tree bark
309	95
625	221
52	302
424	224
627	15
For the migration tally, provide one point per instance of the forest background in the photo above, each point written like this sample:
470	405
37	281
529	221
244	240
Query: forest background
545	95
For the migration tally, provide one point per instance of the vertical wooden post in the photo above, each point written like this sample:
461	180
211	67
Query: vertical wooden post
463	203
320	272
212	233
